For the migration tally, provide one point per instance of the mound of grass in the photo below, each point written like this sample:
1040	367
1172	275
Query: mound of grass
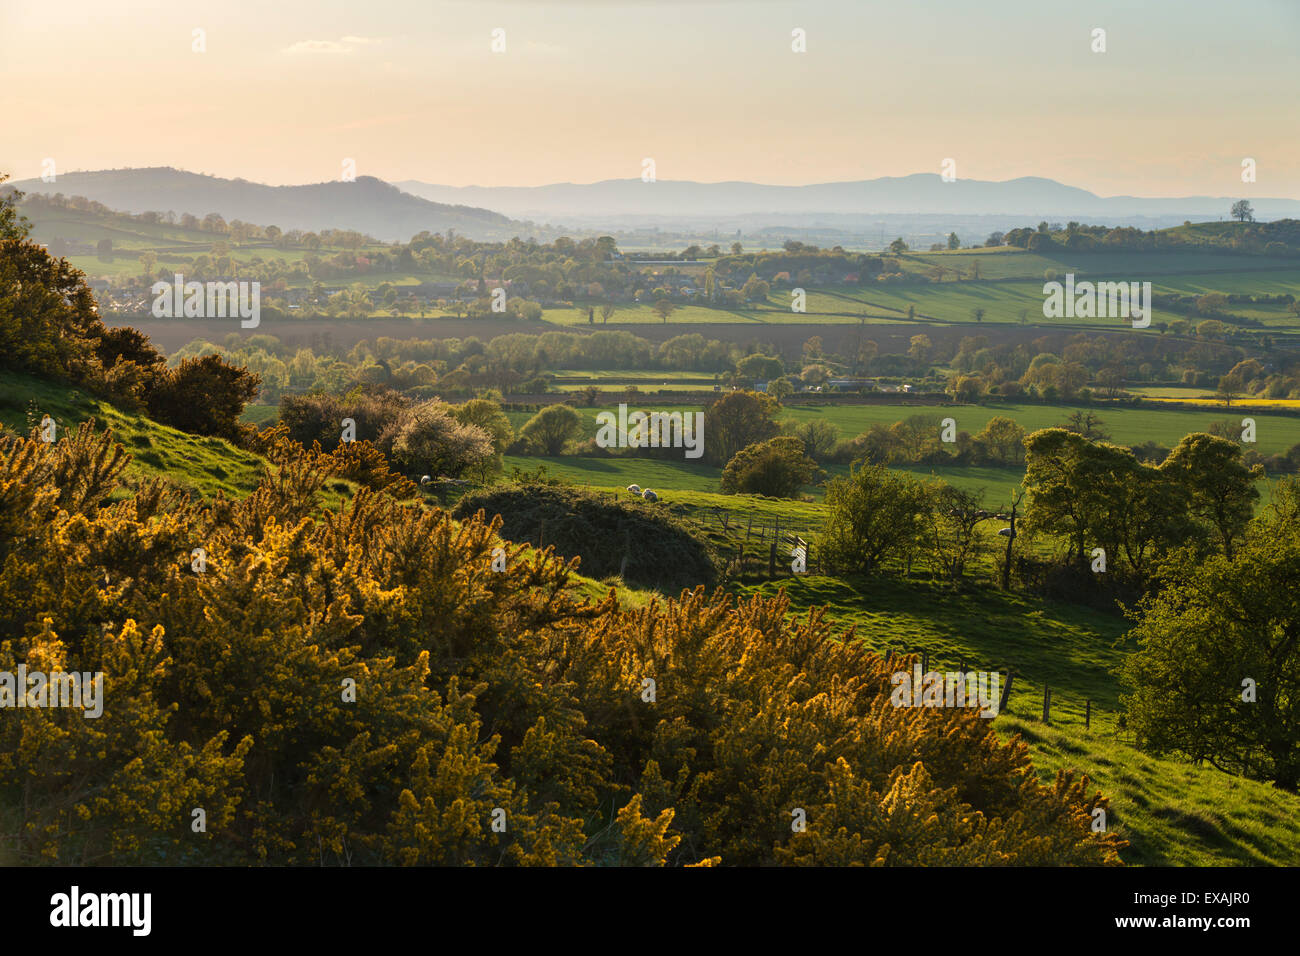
612	536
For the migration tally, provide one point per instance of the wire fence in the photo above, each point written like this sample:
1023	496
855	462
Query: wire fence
1042	702
757	544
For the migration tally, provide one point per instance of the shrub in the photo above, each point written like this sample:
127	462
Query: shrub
551	429
777	468
318	417
872	515
205	396
429	438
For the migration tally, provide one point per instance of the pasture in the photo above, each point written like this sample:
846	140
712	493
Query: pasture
1126	424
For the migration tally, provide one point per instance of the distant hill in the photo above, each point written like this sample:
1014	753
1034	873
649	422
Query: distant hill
920	194
368	205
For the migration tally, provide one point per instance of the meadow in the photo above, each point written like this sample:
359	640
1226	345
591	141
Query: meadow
1128	425
1009	290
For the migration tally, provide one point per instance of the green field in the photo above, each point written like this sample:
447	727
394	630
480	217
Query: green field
1015	297
131	238
643	379
1126	424
671	478
1009	287
619	472
1005	262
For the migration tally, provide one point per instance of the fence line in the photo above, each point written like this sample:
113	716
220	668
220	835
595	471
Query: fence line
739	529
1040	703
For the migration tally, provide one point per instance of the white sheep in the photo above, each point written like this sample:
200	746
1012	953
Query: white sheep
635	489
649	495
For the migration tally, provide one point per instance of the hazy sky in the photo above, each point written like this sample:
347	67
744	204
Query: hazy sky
710	90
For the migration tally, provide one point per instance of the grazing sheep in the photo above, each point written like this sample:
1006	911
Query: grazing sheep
425	480
649	495
635	489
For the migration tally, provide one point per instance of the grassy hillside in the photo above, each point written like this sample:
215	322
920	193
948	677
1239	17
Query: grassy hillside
1172	812
203	465
1070	648
131	237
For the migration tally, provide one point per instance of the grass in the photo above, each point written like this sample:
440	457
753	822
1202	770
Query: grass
1172	812
201	464
1010	263
619	472
1126	424
1015	297
633	312
1071	648
260	414
648	379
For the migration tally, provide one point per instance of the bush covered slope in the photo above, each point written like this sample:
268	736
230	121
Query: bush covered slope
362	687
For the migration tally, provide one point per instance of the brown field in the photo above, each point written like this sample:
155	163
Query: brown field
331	334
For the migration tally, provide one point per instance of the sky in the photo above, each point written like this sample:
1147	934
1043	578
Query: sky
585	90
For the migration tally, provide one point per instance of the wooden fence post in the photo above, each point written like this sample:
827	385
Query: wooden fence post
1087	714
1006	692
771	561
1047	704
